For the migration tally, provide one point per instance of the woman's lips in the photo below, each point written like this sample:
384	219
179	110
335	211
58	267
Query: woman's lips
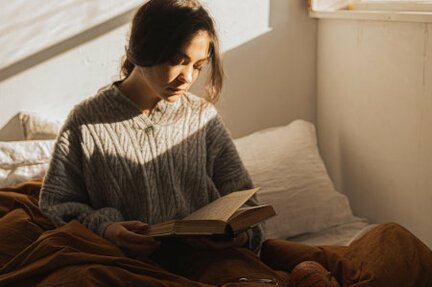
177	90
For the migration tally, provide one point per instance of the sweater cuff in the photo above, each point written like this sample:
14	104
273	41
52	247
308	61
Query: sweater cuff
98	220
101	229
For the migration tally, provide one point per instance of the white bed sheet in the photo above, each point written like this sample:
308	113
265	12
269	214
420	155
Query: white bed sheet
341	235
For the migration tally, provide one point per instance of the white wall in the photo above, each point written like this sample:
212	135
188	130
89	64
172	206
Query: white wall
56	65
374	114
271	80
31	26
269	55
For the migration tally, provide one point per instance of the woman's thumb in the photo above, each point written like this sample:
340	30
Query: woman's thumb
135	224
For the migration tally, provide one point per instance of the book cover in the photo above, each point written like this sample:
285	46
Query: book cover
224	216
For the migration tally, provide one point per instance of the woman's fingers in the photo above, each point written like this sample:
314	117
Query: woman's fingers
133	237
124	234
135	225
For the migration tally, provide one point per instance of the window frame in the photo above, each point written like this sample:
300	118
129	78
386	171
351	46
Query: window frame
390	10
392	5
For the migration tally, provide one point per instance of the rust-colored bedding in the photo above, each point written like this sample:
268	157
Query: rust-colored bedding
34	253
387	256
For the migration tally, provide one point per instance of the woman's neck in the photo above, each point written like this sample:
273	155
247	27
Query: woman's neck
137	91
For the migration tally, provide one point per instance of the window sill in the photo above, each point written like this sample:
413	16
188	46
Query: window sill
398	16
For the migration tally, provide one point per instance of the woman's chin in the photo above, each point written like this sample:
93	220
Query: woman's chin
172	98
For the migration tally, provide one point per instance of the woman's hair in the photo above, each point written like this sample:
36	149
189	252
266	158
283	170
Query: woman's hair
160	28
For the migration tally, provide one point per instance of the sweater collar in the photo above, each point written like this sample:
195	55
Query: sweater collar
163	113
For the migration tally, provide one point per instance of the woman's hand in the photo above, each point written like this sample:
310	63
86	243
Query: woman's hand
240	240
130	236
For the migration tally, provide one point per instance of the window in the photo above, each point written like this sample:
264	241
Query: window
393	5
372	5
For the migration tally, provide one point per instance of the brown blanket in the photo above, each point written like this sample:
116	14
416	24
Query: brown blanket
34	253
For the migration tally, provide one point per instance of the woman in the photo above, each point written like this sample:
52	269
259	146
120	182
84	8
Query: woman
144	150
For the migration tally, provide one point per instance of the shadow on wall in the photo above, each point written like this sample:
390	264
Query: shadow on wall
66	45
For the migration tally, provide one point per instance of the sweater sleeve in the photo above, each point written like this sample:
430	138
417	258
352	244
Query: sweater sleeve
63	195
228	172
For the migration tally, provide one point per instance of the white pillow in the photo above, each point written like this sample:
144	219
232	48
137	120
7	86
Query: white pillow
286	164
37	127
23	160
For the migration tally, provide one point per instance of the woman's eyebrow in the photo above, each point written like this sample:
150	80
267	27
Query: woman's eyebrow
183	55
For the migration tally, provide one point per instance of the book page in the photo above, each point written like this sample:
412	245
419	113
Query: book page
222	208
245	209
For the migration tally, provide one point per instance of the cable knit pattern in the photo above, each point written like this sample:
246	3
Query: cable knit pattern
111	163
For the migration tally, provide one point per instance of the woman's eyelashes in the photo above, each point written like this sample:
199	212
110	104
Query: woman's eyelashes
199	68
200	65
178	60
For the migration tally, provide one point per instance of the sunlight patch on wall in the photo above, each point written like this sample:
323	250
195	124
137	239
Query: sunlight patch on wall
243	20
28	27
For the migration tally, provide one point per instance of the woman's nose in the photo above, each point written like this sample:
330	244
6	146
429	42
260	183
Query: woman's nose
186	74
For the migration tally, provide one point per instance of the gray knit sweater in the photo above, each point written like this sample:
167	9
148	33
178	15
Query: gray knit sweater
112	163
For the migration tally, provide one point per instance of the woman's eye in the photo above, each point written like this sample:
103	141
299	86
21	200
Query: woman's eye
200	65
176	61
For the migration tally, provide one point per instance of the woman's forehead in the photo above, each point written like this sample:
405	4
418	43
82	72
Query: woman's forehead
197	48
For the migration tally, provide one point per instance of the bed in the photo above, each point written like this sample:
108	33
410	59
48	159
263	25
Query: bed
314	221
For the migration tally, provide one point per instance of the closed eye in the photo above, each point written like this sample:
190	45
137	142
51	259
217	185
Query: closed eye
183	59
177	60
199	68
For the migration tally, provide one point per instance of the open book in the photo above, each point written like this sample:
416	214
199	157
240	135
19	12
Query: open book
224	216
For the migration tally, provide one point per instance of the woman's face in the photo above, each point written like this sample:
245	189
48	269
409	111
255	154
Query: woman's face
170	80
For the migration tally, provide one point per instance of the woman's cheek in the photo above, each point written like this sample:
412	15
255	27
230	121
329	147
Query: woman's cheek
172	74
